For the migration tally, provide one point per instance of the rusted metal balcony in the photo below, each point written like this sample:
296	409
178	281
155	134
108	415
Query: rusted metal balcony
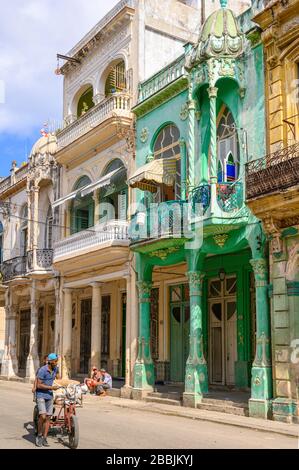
14	268
273	173
44	259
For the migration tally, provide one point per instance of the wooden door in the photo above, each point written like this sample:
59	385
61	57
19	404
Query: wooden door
25	317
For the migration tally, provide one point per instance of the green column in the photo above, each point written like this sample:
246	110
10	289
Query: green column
183	170
261	380
144	377
213	147
196	380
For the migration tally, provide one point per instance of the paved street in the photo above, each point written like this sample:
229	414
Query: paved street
106	426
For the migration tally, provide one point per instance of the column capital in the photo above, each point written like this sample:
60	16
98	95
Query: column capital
96	284
260	268
144	289
195	278
67	290
213	92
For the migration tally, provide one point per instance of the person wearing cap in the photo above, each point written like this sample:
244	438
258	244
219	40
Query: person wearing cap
44	398
104	383
92	381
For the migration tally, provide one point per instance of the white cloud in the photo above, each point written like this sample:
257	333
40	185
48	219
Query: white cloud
31	33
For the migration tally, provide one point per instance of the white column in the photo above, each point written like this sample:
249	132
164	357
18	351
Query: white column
67	334
35	227
33	359
96	325
58	325
10	362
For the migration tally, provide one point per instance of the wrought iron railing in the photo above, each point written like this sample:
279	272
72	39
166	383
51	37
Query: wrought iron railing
95	236
16	267
274	172
119	103
230	196
44	259
202	195
164	77
165	220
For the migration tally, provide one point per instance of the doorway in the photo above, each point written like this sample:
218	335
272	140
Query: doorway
85	336
25	316
179	331
223	330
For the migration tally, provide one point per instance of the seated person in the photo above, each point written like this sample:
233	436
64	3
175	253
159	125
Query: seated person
104	383
92	381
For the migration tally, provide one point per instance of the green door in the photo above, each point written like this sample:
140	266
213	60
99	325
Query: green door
179	332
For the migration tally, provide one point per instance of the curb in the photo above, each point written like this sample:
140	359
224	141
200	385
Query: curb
291	430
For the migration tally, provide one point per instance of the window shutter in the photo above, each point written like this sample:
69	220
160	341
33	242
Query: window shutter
122	204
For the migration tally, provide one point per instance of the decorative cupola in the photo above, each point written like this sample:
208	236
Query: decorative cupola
220	37
42	158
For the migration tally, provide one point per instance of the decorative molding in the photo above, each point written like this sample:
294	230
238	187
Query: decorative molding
144	135
163	254
184	112
221	239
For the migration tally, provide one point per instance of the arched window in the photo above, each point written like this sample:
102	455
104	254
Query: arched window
228	149
85	102
116	193
82	208
167	145
24	230
116	81
49	230
1	242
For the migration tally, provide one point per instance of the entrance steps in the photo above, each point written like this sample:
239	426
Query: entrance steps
171	398
224	406
208	403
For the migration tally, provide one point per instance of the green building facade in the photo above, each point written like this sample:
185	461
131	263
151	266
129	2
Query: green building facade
199	121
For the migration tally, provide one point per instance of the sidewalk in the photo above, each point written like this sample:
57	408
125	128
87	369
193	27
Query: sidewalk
200	415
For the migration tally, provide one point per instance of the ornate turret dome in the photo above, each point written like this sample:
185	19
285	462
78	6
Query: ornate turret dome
220	36
45	145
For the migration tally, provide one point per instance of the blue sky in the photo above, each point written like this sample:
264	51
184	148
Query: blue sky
31	33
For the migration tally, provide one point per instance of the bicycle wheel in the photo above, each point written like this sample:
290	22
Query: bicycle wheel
74	434
35	419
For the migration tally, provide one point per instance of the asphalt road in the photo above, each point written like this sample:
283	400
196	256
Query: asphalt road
106	426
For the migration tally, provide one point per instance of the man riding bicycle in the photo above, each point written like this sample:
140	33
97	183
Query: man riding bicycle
44	398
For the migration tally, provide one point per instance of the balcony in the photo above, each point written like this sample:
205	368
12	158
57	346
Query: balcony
14	268
44	260
18	177
113	233
274	173
116	106
167	220
230	196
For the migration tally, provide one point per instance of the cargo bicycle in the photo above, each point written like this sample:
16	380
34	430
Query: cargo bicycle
64	420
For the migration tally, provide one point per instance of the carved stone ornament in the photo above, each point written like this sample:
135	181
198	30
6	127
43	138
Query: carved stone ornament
260	267
144	135
184	112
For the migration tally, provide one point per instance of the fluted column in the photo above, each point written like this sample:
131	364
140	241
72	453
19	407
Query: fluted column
196	379
33	359
96	325
261	385
144	378
213	146
67	334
